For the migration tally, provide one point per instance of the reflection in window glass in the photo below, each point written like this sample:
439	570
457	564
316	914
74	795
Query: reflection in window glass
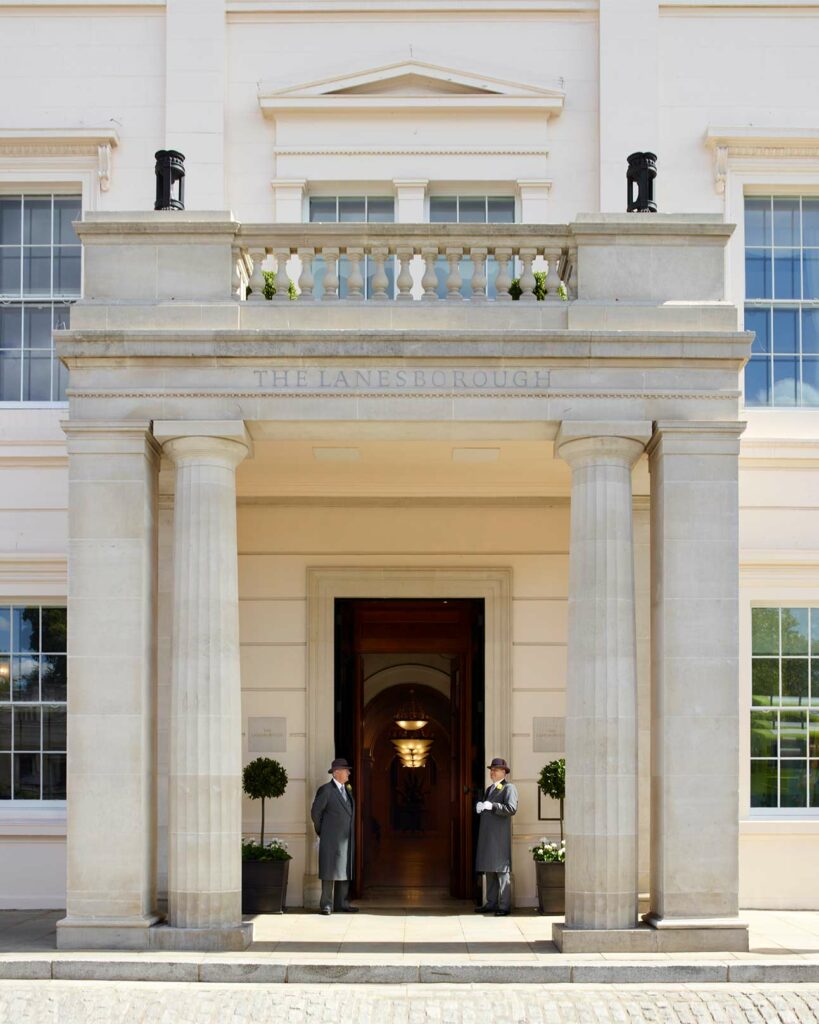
781	285
352	209
33	694
784	720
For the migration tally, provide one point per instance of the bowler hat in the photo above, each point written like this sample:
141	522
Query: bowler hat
498	762
339	762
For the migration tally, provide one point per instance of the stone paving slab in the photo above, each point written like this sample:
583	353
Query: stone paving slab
66	1002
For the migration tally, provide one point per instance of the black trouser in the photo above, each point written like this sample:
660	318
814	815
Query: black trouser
334	900
498	890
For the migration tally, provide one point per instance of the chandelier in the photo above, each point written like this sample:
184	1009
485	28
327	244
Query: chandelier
410	718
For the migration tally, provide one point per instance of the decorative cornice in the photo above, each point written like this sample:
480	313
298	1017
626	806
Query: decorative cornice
409	151
228	393
92	143
754	142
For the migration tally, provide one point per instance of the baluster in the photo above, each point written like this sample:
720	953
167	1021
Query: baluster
429	282
256	282
281	281
306	278
554	257
237	282
404	282
331	274
527	278
454	281
478	257
355	284
570	273
503	281
380	280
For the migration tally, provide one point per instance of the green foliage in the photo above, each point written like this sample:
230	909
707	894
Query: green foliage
270	286
516	291
264	779
549	853
552	779
274	849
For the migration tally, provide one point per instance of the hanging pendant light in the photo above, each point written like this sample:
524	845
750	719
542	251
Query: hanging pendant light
410	715
412	750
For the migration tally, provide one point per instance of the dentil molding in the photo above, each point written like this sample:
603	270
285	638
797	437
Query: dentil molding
751	142
94	144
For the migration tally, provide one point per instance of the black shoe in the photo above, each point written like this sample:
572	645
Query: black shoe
502	913
326	911
485	909
347	910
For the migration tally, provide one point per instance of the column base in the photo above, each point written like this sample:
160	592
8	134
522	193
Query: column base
730	933
112	933
684	937
202	940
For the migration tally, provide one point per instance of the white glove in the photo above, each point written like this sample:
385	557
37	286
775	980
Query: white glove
479	806
487	805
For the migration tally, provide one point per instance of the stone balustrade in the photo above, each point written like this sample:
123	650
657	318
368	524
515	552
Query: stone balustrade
404	262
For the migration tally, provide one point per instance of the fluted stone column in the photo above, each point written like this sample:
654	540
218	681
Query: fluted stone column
204	854
601	688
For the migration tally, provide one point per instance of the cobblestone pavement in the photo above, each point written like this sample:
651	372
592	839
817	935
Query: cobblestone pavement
99	1002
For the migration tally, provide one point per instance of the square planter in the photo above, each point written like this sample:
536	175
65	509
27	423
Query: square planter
551	887
264	886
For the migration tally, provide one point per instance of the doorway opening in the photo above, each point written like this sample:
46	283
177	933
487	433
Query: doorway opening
409	715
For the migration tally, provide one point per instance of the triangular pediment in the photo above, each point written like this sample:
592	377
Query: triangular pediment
409	83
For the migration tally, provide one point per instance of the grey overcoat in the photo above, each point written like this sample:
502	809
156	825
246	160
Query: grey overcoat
333	819
495	829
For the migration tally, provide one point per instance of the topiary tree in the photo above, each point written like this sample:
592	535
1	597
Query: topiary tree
552	782
264	779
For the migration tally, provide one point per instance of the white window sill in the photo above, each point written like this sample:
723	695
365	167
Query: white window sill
782	824
33	818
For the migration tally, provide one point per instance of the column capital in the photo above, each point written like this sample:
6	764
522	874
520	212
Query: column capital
201	434
626	439
122	436
704	437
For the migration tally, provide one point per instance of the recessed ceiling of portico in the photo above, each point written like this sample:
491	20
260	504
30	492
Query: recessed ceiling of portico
345	467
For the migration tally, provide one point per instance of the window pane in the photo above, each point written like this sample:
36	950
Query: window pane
9	271
37	327
25	677
758	382
5	728
59	380
765	681
37	271
814	783
53	669
810	271
763	783
501	209
786	274
67	271
381	209
758	221
61	316
795	681
443	209
10	221
765	630
323	211
794	630
759	320
36	221
66	210
763	734
813	734
5	776
472	210
10	366
11	326
442	273
352	209
27	727
25	630
26	776
793	784
36	376
793	733
54	626
814	683
786	222
786	331
786	381
54	728
758	274
5	629
53	776
5	678
810	330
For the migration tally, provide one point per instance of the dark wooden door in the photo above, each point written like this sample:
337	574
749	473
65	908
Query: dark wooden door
450	629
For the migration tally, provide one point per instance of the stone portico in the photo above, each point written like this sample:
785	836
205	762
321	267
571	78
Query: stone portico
178	363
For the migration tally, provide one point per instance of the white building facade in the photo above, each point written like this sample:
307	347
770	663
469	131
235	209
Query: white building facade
619	479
